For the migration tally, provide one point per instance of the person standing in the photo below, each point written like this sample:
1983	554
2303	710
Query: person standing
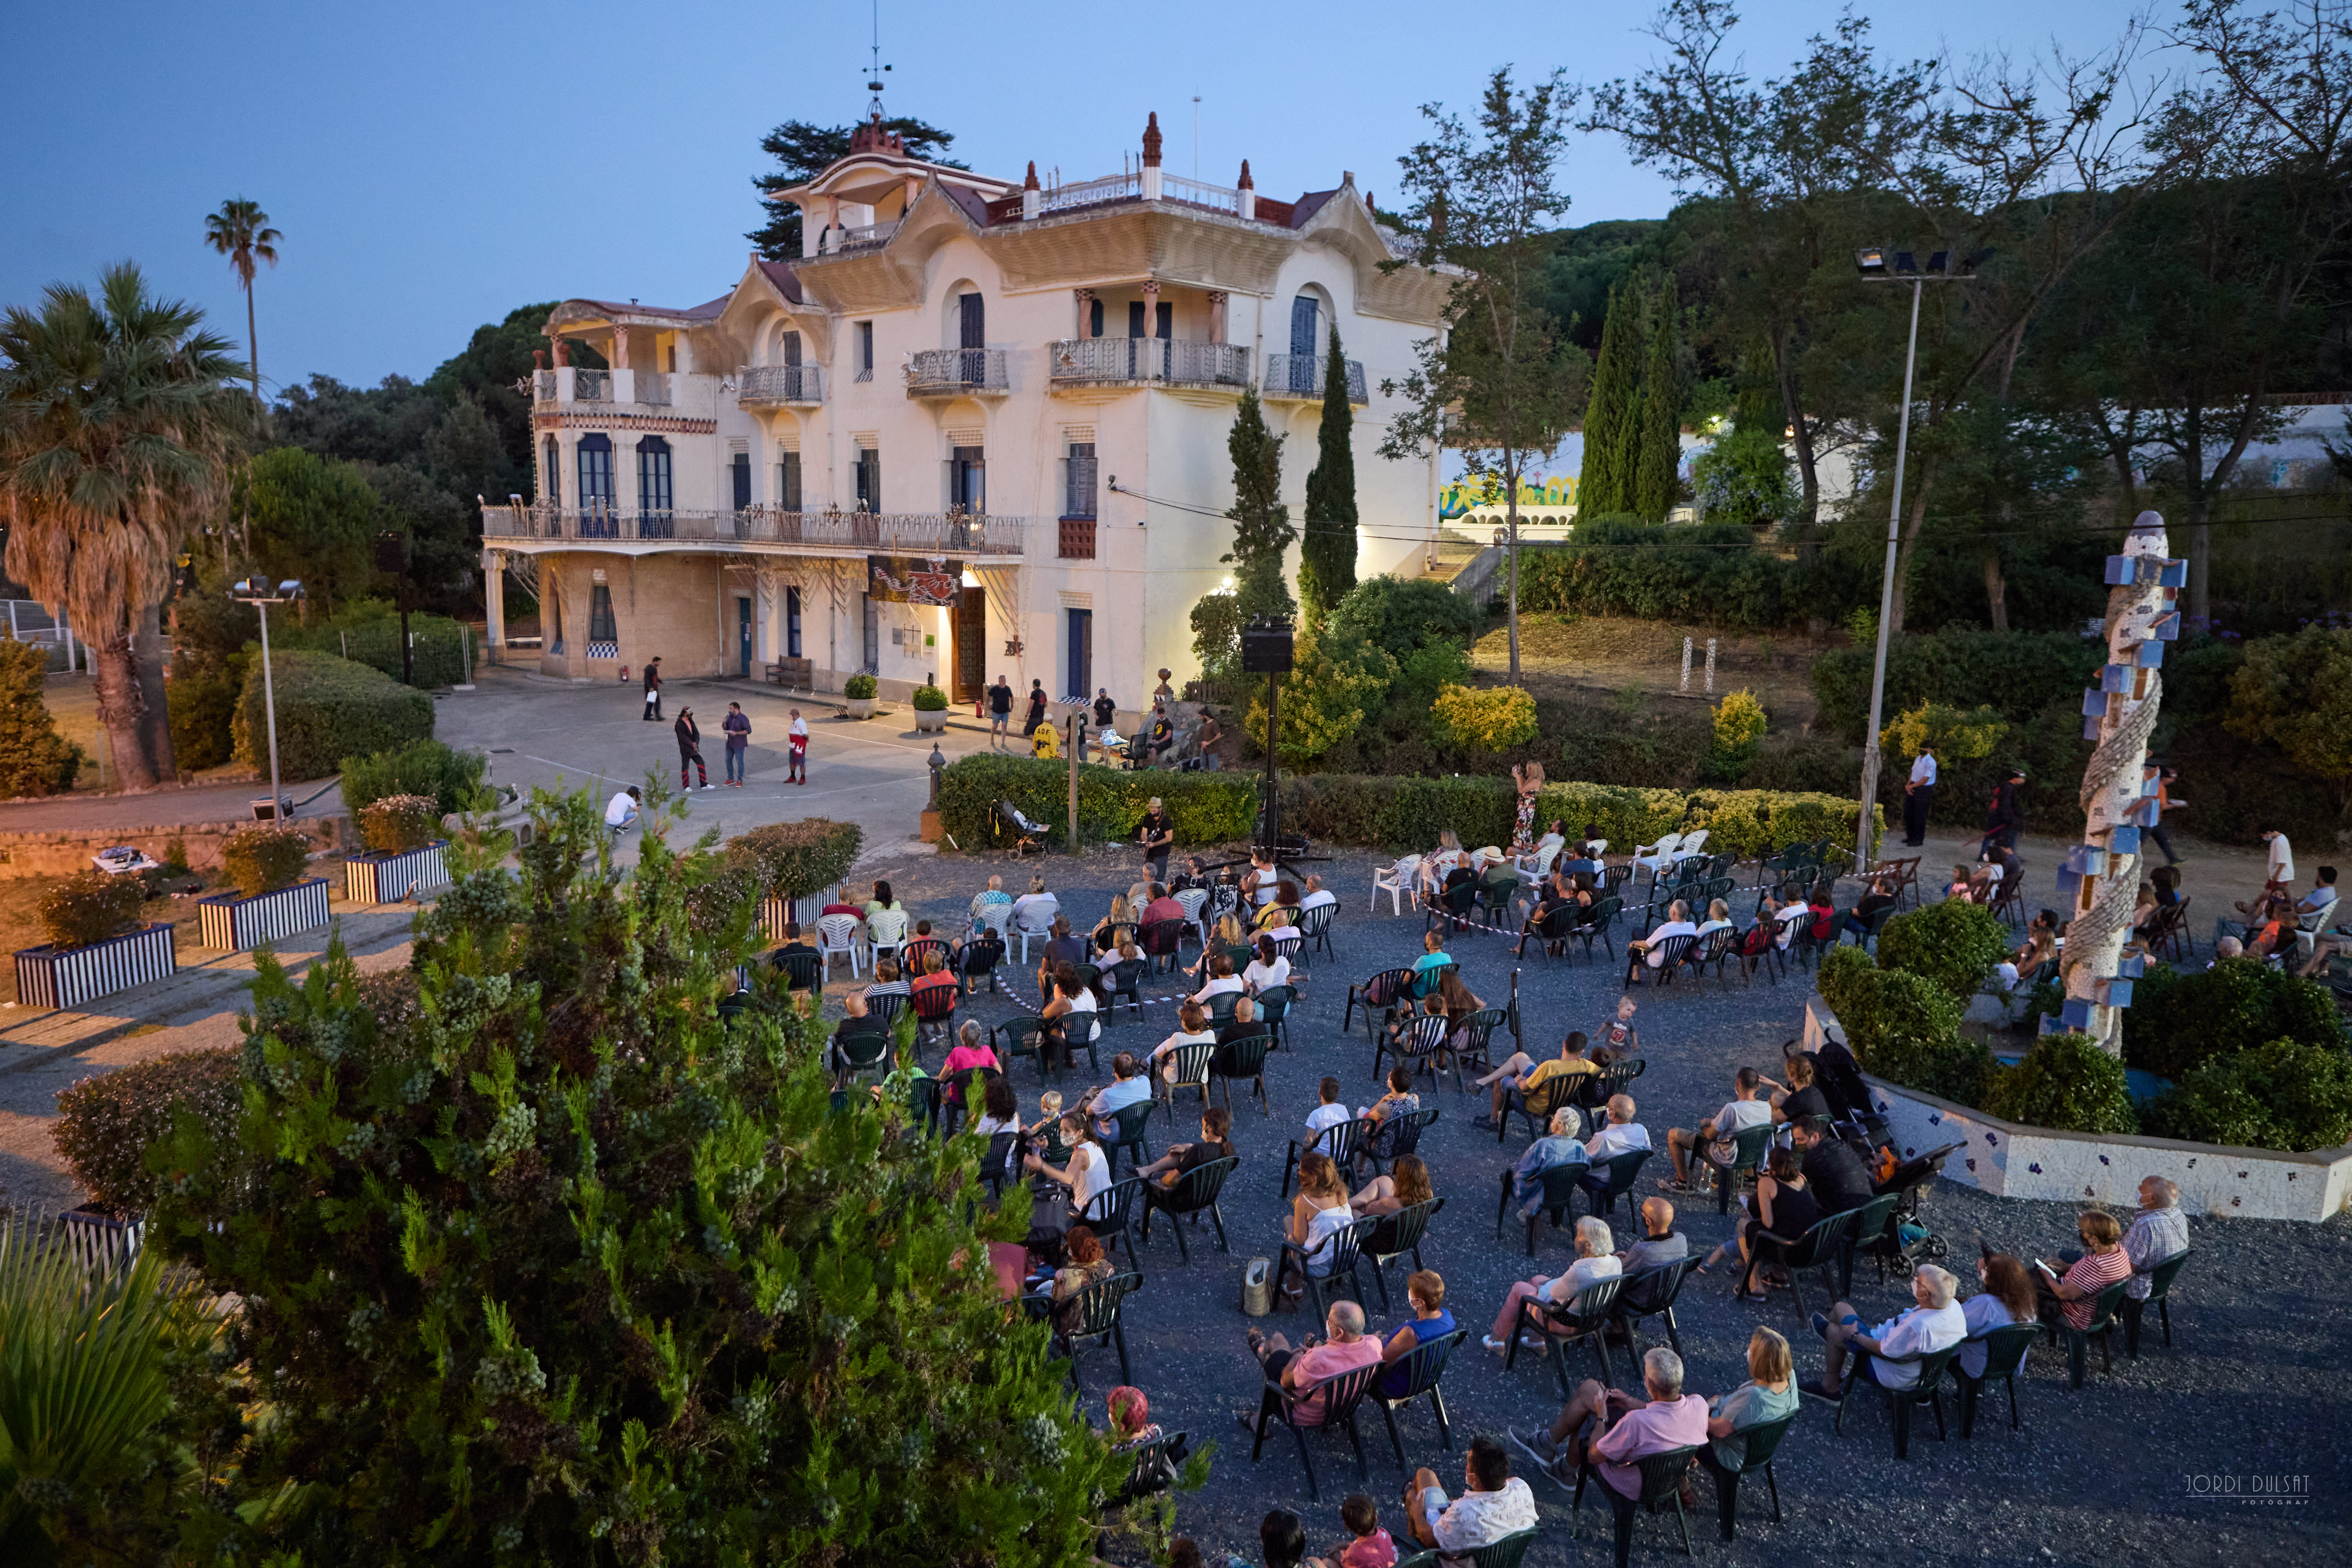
1917	795
2164	778
738	728
798	744
1157	834
2005	819
689	749
1000	714
1036	707
1527	779
652	688
1106	718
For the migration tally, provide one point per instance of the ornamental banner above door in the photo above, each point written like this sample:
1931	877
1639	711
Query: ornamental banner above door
914	579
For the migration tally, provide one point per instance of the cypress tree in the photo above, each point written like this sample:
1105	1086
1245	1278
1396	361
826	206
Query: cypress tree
1655	447
1261	529
1326	556
34	758
1604	484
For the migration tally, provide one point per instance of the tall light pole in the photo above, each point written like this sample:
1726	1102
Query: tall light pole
1879	266
258	592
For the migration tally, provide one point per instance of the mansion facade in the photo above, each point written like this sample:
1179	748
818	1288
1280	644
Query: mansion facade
897	454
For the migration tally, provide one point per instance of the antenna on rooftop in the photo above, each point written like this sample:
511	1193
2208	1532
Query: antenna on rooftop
875	68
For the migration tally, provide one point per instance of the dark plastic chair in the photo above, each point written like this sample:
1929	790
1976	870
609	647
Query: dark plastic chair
1419	1369
1242	1056
1123	982
1426	981
981	956
1095	1313
1110	1215
1346	1248
887	1007
1472	1042
1559	1197
1583	1320
1315	926
1650	1293
1453	907
2160	1291
861	1053
1552	934
1335	1398
1504	1553
1134	1122
1714	948
802	966
1613	1178
923	1099
1221	1007
1661	1484
1194	1192
1273	1004
935	1008
1416	1046
1341	1140
1537	1104
996	1165
1764	1440
1018	1037
1928	1391
1603	917
1381	991
1670	950
1748	1156
1153	1462
1160	941
1871	1223
1398	1136
1816	1248
2005	1349
1398	1235
2102	1328
912	951
1192	1065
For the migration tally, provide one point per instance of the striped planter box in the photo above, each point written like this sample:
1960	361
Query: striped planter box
69	976
234	925
99	1243
806	909
388	879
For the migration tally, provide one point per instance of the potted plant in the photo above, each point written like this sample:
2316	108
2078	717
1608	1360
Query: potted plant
931	710
96	944
273	899
860	689
401	832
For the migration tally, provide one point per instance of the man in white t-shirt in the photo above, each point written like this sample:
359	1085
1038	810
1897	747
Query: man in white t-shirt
1652	947
1742	1112
621	811
1917	795
1496	1503
1317	896
2278	875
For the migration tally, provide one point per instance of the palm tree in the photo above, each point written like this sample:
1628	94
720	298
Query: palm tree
241	232
115	432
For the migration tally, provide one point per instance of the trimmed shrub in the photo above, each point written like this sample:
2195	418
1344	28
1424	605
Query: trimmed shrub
1206	809
202	696
432	768
265	858
2284	1094
787	859
1954	943
34	758
1487	718
2018	674
106	1123
2178	1022
1903	1028
1739	727
2067	1084
399	823
860	685
931	699
90	907
1401	615
328	709
368	632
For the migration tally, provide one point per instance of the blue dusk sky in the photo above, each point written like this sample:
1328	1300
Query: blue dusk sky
436	164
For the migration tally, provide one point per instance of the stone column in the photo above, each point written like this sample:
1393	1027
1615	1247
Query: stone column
1081	299
494	603
1216	315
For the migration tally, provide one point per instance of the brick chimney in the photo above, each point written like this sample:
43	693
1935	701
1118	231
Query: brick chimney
1032	200
1151	158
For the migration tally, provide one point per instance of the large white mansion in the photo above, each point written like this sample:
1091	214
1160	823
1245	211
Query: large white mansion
932	403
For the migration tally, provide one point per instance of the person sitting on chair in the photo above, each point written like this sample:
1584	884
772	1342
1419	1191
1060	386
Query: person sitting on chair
1061	947
1280	910
1596	1259
860	1025
1069	1019
2073	1297
2007	1298
1496	1503
1425	1288
1560	1146
2040	946
972	1050
1621	1135
1222	981
1130	1084
1740	1113
1316	896
1660	1242
886	982
1191	1029
1311	1362
1651	949
1936	1324
1267	969
1782	1205
1216	1143
1770	1393
1880	897
1398	1101
1839	1179
1800	1098
1391	1193
2159	1231
1613	1431
1083	1264
1319	1209
1523	1074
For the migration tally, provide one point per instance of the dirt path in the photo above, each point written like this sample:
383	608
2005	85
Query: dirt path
1588	655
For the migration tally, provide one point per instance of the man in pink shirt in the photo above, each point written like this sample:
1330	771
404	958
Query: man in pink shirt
1160	908
1301	1369
1614	1430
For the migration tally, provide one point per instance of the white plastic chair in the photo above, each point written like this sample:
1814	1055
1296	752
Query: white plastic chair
1190	900
996	918
885	928
1539	864
1691	848
1655	857
837	935
1397	881
1023	931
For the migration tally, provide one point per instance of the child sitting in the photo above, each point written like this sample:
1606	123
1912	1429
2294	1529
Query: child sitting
1371	1547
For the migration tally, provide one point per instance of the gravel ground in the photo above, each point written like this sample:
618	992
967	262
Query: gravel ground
2124	1471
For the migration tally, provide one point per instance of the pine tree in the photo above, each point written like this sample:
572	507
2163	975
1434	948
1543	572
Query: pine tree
1262	528
1604	484
1326	559
1656	449
34	758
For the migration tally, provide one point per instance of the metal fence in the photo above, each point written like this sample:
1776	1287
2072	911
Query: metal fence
29	621
953	533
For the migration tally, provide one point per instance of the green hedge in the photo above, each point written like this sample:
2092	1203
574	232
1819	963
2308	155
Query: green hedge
1904	1028
793	859
2284	1094
2020	673
1207	808
2066	1082
368	632
432	768
2179	1020
328	709
1955	944
105	1124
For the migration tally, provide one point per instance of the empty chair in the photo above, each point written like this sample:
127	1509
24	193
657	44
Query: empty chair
1397	881
885	930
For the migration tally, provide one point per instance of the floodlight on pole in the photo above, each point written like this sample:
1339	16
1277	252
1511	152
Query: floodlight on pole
260	593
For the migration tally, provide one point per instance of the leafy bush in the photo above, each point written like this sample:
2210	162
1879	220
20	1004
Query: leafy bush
1487	718
1714	573
265	858
90	907
1903	1028
202	696
931	699
34	758
2018	674
789	859
1954	943
328	709
582	1225
431	768
2284	1094
2067	1084
1795	763
1206	809
1958	734
860	686
2177	1021
1739	726
397	824
1401	617
1335	687
2297	692
106	1123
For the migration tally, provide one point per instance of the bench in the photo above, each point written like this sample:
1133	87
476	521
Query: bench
797	674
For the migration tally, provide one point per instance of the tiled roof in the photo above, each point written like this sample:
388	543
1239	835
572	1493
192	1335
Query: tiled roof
1307	205
787	282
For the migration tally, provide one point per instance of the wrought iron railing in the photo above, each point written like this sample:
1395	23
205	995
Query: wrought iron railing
949	533
1301	375
933	371
836	240
1081	360
781	384
1091	192
592	385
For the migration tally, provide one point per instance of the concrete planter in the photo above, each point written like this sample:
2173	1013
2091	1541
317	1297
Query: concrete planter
390	878
930	723
860	707
233	924
69	976
2006	1160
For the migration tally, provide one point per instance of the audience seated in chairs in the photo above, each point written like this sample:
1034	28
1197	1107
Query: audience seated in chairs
1346	1349
1268	969
1319	1208
1881	896
2040	946
1620	1134
1596	1259
972	1050
1408	1184
1770	1393
1522	1074
1368	1545
1191	1029
1559	1147
1070	1017
2008	1297
1216	1143
1061	947
1282	911
1131	1425
886	981
1936	1324
993	893
1496	1503
1440	863
1659	1241
1839	1179
1329	1111
1613	1430
1083	1264
1781	1206
1742	1112
1085	1173
1398	1101
1221	980
1431	1320
2157	1232
871	1035
1650	949
2072	1297
1801	1098
1130	1084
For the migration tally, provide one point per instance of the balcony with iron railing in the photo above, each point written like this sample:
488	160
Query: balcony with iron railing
572	383
957	372
1143	362
845	533
865	236
1299	378
768	386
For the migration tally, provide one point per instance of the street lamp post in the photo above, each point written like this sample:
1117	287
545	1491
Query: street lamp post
258	592
1877	265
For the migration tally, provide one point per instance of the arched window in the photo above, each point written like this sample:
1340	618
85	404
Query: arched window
1306	314
596	520
653	520
551	468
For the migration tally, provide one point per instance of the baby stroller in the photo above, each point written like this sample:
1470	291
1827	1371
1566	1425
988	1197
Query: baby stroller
1905	1242
1008	821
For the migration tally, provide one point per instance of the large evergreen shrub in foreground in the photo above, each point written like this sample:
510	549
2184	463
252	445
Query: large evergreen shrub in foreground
565	1269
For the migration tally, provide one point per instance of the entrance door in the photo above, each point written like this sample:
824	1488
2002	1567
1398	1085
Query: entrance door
1082	653
968	630
743	635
